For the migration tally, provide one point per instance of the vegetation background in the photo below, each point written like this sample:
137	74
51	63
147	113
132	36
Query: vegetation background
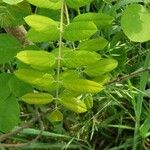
119	115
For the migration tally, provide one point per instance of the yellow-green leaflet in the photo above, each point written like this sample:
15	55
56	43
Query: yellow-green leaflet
101	67
37	98
50	4
40	80
82	85
73	104
41	59
55	116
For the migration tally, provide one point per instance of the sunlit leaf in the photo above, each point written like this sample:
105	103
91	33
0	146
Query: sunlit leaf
77	3
73	104
93	44
40	80
80	58
100	19
101	67
82	85
46	3
41	59
79	31
43	36
12	2
55	116
40	23
37	98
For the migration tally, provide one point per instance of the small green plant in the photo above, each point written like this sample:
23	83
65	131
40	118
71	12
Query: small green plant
68	75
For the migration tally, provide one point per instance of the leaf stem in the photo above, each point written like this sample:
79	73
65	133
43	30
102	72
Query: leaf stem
59	51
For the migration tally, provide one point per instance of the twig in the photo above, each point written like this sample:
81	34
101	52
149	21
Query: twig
131	75
19	33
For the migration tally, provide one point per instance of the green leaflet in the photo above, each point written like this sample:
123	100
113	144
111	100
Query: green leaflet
12	2
43	28
82	85
9	47
43	36
135	23
69	93
4	87
37	98
51	4
55	116
64	50
70	74
102	79
73	104
37	59
9	114
77	3
53	14
40	23
12	15
93	44
101	20
76	31
80	58
38	79
101	67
